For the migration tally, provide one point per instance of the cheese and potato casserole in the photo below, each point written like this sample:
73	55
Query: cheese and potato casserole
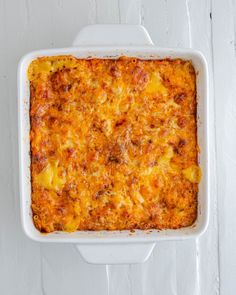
113	143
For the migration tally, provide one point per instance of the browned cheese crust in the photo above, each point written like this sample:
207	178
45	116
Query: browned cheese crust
113	143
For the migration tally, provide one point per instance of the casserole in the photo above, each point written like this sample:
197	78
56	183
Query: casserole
114	246
113	143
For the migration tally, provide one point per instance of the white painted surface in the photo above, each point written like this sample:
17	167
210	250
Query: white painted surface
206	266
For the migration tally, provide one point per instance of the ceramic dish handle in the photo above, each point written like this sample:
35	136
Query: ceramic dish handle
116	253
112	35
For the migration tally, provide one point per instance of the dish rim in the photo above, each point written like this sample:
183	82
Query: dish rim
118	236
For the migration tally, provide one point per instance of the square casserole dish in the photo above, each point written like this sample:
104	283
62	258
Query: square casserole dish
114	247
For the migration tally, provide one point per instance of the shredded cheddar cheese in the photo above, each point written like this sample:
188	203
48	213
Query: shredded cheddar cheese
113	143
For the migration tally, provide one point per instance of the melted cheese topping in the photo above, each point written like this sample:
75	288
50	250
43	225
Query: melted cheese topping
113	143
50	178
193	174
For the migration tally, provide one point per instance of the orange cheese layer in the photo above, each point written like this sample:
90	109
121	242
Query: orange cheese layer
113	143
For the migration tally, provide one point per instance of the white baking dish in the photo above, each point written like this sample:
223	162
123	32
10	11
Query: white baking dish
106	247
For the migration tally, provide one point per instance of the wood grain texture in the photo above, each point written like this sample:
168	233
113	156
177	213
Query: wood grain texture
190	267
207	245
107	12
223	24
130	11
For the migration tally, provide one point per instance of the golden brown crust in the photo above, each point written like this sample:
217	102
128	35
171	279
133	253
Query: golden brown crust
113	143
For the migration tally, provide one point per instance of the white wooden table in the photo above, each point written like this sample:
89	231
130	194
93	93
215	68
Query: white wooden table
206	266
